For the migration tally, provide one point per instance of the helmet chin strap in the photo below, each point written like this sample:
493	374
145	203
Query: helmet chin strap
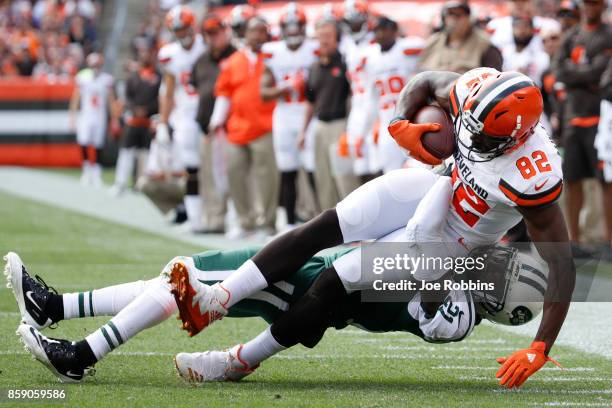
518	126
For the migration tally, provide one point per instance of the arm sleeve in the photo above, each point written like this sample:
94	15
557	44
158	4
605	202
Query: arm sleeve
220	111
606	82
575	75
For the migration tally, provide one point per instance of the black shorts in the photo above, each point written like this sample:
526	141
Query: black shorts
138	137
580	156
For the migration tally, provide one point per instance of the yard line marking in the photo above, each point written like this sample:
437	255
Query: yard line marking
464	367
542	391
542	379
450	348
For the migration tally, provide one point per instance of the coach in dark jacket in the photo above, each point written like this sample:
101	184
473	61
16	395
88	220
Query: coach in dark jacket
203	78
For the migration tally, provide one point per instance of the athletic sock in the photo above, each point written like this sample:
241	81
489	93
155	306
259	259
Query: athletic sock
85	354
246	281
150	308
260	348
193	207
54	308
101	302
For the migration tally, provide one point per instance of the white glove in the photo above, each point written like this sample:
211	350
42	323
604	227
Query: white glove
162	134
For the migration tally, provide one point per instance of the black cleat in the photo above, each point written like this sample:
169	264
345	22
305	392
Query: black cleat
59	356
32	295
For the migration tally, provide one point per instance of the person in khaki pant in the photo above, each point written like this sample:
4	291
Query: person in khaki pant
248	123
327	93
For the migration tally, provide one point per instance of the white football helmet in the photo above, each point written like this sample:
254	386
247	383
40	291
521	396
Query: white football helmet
520	283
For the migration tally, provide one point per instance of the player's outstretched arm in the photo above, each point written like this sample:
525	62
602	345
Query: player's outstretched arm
547	229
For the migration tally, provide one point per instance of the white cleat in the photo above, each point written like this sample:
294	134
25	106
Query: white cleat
31	294
58	355
199	304
212	366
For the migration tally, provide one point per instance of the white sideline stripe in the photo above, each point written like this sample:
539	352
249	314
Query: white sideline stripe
10	314
272	299
465	367
542	379
380	338
572	404
133	210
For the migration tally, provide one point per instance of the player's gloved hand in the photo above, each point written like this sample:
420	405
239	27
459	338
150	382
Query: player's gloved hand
343	145
408	135
162	133
517	368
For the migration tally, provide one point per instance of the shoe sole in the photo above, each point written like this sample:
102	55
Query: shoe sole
189	379
183	294
14	279
32	346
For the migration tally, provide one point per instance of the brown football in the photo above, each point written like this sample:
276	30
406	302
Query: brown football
441	144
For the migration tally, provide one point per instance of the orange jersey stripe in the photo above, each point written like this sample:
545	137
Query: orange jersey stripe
531	200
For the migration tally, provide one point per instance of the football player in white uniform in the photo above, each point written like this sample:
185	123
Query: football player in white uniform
239	17
287	64
179	103
506	169
357	45
386	71
93	97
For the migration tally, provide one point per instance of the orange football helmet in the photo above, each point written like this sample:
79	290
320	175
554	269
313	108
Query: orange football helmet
355	10
292	13
241	14
179	17
500	113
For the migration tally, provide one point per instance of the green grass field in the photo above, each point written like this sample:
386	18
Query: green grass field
349	368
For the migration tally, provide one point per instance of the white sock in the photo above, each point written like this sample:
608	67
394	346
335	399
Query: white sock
150	308
125	166
102	302
246	281
193	207
260	348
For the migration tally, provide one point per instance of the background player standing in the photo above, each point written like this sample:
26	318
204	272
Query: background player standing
92	95
179	103
287	63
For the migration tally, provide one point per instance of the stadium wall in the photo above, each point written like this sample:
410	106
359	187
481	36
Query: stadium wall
34	124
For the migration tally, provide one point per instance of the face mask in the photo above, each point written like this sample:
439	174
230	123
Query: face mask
294	40
522	42
186	41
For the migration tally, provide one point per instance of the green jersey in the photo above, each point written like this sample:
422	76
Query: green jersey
271	302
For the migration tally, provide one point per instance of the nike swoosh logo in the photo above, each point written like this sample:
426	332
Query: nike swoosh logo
29	296
69	373
539	187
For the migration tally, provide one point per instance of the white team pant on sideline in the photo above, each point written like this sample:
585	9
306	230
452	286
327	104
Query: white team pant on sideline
287	121
186	136
91	130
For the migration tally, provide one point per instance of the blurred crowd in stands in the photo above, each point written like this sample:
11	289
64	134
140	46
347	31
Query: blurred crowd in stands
46	38
228	95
